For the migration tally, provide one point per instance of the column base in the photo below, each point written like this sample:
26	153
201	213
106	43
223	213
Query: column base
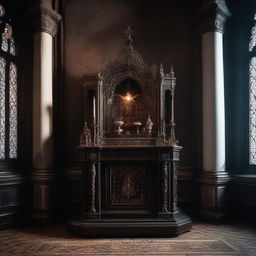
43	196
212	195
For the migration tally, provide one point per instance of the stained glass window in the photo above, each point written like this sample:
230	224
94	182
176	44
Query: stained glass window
252	98
253	37
4	45
2	108
252	109
8	91
13	111
12	47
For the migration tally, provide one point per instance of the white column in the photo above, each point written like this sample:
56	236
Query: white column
214	178
213	102
42	102
45	22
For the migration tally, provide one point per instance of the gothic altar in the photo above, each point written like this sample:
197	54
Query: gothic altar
129	151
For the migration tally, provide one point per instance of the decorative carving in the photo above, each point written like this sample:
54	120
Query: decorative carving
128	188
86	137
128	32
136	180
213	15
174	187
172	139
45	19
149	125
127	185
161	139
129	65
164	187
126	91
161	71
92	178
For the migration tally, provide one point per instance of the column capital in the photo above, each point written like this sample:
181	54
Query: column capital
213	15
44	18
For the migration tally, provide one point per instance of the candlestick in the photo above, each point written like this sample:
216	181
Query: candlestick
94	108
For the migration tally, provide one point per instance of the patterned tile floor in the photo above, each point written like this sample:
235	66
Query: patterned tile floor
236	239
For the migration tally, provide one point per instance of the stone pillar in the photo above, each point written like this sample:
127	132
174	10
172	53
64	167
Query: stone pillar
45	22
214	176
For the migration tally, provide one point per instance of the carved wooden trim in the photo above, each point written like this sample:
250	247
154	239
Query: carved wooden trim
92	182
129	65
173	187
164	186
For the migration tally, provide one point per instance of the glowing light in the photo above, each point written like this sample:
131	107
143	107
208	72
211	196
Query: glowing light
128	97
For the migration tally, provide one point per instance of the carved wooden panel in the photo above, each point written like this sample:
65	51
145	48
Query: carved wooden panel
127	185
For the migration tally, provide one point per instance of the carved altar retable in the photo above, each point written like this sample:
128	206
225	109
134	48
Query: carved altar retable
129	151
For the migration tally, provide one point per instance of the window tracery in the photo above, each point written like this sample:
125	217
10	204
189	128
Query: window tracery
252	42
252	98
8	90
2	108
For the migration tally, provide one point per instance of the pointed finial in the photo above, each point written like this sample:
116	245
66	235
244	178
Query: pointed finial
172	72
128	32
161	70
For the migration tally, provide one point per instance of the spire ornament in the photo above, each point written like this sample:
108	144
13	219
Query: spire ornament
85	137
128	32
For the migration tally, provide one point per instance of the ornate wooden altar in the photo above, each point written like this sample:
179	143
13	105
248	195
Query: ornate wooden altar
129	151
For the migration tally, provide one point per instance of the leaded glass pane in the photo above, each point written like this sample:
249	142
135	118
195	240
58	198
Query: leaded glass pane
252	42
2	108
8	31
12	47
252	115
4	45
2	11
13	111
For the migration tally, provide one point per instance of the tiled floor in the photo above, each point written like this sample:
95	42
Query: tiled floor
203	239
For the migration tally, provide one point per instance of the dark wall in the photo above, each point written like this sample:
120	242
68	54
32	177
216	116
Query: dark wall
163	32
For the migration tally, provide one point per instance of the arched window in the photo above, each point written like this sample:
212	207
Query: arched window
252	97
8	90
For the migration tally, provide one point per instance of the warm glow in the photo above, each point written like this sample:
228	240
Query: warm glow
128	97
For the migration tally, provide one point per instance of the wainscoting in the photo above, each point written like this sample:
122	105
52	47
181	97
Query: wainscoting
11	198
